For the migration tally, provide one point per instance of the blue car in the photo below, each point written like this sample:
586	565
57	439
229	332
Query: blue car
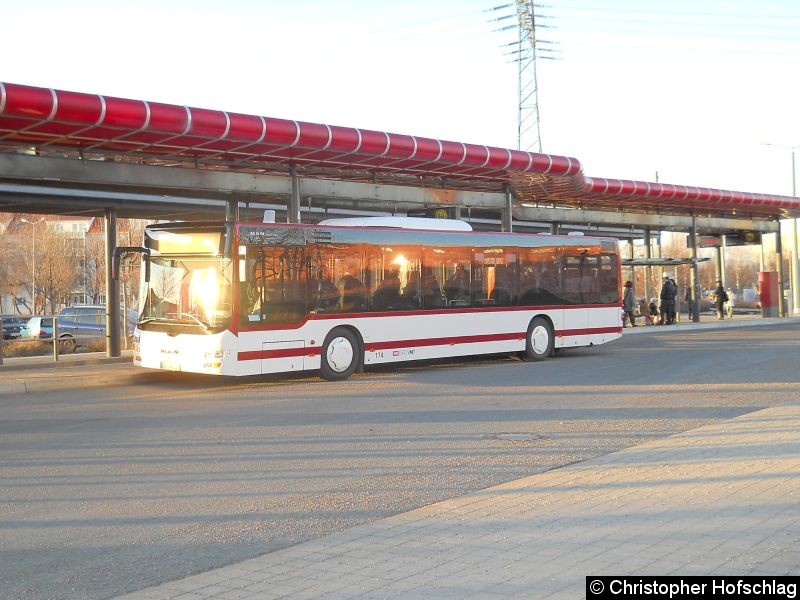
82	325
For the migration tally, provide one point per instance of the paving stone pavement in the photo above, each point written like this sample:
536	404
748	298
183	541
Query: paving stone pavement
719	500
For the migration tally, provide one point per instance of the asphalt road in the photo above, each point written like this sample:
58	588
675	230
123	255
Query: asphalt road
107	489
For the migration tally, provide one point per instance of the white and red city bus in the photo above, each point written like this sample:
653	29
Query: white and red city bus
255	298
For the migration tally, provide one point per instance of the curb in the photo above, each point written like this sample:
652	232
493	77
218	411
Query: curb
28	382
38	364
725	324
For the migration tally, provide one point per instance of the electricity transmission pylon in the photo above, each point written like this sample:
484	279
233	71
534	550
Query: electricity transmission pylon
529	133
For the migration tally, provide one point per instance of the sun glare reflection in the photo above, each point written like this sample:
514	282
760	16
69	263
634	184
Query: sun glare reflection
204	292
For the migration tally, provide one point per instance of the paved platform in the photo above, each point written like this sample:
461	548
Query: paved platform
720	500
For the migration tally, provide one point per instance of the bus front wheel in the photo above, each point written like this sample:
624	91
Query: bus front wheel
340	355
540	340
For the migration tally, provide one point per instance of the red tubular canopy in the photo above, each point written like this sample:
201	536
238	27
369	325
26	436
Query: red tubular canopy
46	117
61	122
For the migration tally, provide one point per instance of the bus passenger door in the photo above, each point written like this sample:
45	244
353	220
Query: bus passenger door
575	281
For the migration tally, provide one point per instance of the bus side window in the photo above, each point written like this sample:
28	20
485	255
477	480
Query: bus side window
495	274
275	292
348	277
539	277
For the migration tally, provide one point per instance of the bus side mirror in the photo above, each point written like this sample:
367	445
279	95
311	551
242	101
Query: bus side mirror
120	250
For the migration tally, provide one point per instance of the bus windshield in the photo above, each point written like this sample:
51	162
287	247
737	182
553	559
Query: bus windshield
190	290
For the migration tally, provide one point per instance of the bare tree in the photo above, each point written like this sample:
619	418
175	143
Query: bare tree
130	232
56	270
15	270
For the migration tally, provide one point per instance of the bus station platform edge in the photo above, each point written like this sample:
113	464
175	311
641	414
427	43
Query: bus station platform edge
719	500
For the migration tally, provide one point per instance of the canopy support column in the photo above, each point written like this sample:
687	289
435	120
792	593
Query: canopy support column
723	247
232	209
648	270
779	253
795	309
506	215
293	210
113	347
630	255
693	286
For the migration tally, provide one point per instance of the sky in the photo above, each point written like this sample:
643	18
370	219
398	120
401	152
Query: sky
685	92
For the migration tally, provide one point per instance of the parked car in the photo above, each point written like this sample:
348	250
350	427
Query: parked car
11	326
82	325
37	328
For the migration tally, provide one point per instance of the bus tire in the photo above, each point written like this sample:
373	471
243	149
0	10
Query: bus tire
540	340
340	355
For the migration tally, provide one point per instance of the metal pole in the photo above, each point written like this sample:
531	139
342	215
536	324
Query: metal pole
779	254
506	213
33	269
232	209
795	257
112	287
723	259
293	214
630	255
125	332
55	338
648	270
693	279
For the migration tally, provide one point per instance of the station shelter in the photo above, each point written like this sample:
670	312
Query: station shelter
65	152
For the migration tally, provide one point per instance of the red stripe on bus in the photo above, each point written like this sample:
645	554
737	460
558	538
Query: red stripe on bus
283	353
588	331
447	341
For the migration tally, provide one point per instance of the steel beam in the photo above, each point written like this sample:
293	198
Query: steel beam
96	184
221	185
664	222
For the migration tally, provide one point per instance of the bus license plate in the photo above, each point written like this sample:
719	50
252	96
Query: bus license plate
171	365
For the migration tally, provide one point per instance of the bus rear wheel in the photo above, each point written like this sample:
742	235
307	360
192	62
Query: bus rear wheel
540	340
340	355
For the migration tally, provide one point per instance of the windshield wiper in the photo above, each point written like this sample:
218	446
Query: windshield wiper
148	320
193	317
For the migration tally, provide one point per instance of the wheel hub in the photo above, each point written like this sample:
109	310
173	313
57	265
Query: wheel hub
340	354
539	339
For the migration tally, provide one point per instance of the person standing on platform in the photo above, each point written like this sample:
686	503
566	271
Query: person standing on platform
674	304
667	301
720	297
629	304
